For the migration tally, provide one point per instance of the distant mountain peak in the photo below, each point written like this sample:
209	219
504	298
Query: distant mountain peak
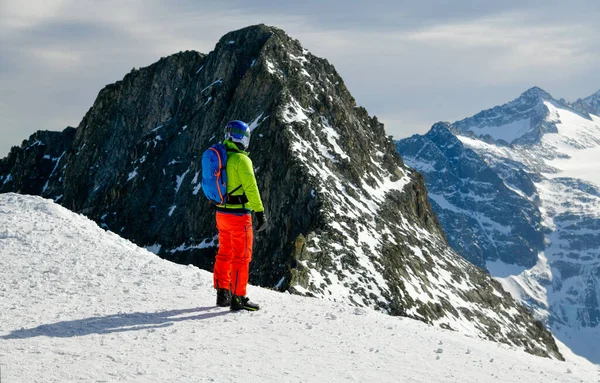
441	130
592	101
527	101
518	119
588	106
536	93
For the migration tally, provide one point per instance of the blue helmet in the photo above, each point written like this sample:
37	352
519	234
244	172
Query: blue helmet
238	132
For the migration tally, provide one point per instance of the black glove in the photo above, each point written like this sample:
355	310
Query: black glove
261	221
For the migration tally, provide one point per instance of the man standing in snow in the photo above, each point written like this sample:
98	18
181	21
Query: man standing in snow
234	221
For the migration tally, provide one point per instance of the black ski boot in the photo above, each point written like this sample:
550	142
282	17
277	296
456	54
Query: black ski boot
223	297
239	302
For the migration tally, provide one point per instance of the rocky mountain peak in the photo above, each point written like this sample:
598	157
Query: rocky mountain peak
440	128
253	34
442	133
257	39
522	120
594	102
533	95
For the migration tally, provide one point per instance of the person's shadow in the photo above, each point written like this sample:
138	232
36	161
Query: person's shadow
114	323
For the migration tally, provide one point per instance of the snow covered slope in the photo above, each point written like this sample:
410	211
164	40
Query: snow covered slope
564	285
529	189
81	304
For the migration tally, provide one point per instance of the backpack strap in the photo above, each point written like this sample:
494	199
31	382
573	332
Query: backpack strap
235	199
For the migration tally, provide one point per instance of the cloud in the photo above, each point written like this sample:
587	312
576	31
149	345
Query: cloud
512	45
17	15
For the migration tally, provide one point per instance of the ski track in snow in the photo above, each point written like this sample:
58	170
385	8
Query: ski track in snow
81	304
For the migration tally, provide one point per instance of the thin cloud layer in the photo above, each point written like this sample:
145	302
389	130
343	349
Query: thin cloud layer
410	64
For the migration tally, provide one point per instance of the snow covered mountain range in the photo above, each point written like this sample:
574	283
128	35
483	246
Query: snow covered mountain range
517	191
78	303
349	222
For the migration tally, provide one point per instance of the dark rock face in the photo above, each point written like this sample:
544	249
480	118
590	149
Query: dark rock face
348	221
29	168
495	180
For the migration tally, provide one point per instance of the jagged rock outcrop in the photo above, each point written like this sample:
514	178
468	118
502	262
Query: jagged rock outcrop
348	221
594	102
29	168
517	192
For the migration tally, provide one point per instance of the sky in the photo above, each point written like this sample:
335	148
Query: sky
411	64
82	304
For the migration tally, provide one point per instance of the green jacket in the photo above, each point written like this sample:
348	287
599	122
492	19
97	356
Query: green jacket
241	172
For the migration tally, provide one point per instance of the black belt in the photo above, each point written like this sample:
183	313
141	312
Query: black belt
236	199
234	211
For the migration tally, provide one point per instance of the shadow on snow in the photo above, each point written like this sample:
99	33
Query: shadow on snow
114	323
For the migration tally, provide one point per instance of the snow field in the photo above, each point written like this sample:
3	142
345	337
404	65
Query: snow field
78	304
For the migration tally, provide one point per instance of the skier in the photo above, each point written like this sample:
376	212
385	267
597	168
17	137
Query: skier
234	222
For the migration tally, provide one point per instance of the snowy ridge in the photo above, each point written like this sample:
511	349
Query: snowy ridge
352	219
511	121
554	184
570	207
345	262
594	102
82	304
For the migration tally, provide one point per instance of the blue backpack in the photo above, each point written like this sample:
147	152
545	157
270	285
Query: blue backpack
214	174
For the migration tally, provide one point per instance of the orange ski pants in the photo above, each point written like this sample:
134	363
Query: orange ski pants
235	252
